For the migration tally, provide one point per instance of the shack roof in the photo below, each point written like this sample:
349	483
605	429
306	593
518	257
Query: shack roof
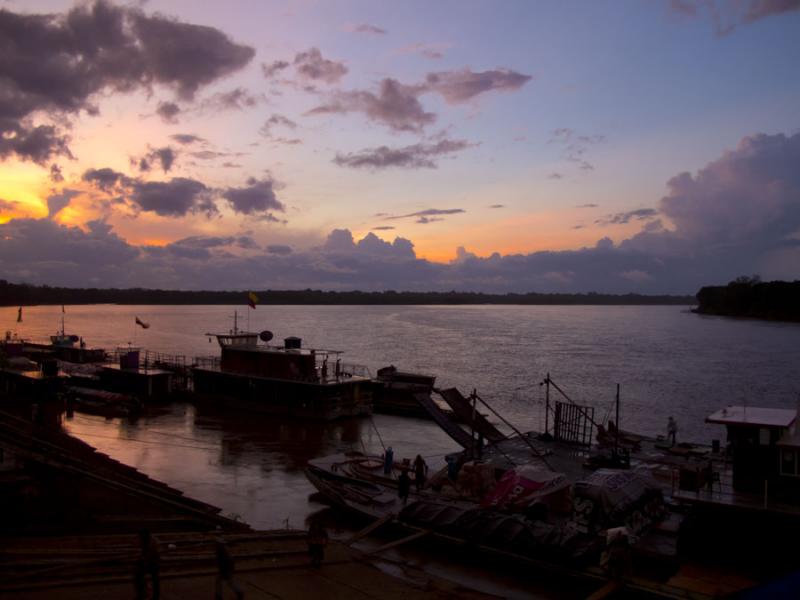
753	416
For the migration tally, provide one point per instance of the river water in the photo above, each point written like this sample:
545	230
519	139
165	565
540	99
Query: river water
667	361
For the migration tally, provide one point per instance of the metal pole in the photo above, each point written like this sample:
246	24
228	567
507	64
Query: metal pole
547	404
617	433
474	398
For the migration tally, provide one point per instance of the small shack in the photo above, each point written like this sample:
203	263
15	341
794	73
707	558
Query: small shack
764	446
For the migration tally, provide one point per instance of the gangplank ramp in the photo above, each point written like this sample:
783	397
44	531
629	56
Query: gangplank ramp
464	411
451	428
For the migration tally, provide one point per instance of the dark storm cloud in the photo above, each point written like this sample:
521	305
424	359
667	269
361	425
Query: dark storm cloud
395	105
640	214
461	86
409	157
257	196
168	111
55	64
727	15
311	65
367	28
174	198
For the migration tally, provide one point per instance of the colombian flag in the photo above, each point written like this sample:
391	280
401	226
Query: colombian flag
252	299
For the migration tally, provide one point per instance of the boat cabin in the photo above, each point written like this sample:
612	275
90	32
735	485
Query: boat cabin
765	447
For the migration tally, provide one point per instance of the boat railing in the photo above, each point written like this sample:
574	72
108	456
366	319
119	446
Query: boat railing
207	362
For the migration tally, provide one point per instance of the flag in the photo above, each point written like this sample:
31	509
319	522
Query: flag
142	323
19	315
252	299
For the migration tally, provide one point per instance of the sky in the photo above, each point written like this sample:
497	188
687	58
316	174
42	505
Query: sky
516	146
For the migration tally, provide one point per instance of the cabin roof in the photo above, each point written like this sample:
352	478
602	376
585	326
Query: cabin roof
753	416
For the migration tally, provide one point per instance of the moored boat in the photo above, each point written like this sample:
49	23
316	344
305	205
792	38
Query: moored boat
286	380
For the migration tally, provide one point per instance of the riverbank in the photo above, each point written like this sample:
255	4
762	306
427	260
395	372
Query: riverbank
269	564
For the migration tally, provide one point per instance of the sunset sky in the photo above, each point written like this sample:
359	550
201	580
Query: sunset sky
612	146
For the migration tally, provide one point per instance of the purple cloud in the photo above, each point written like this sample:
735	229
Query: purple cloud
272	69
168	111
257	196
409	157
276	121
187	138
461	86
311	65
727	16
55	65
367	28
395	105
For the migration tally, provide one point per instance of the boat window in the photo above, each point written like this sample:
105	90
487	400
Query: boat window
788	462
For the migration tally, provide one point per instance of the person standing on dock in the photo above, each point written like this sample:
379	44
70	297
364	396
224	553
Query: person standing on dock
317	540
388	460
403	486
225	569
672	430
149	563
420	469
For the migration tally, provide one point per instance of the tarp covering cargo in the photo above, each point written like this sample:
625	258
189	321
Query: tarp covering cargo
510	533
520	487
613	498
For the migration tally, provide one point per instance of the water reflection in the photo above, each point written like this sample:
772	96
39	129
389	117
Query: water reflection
249	465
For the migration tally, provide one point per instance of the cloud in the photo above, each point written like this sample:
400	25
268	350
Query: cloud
640	214
431	51
58	202
409	157
187	138
235	99
555	175
279	249
56	176
367	28
575	147
165	157
174	198
256	197
276	121
737	214
395	105
497	206
105	179
383	228
423	216
272	69
55	65
168	111
460	86
727	15
590	205
311	65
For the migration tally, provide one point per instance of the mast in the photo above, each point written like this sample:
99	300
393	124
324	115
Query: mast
618	431
235	321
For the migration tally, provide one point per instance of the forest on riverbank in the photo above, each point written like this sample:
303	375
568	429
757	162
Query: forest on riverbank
13	294
752	298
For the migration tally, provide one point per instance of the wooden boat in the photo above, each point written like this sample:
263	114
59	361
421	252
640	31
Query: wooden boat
286	380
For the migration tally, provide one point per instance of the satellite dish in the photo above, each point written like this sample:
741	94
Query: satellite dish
265	335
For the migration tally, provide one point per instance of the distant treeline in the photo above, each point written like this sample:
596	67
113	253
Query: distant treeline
27	295
749	297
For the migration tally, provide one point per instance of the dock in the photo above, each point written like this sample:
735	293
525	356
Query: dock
269	564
